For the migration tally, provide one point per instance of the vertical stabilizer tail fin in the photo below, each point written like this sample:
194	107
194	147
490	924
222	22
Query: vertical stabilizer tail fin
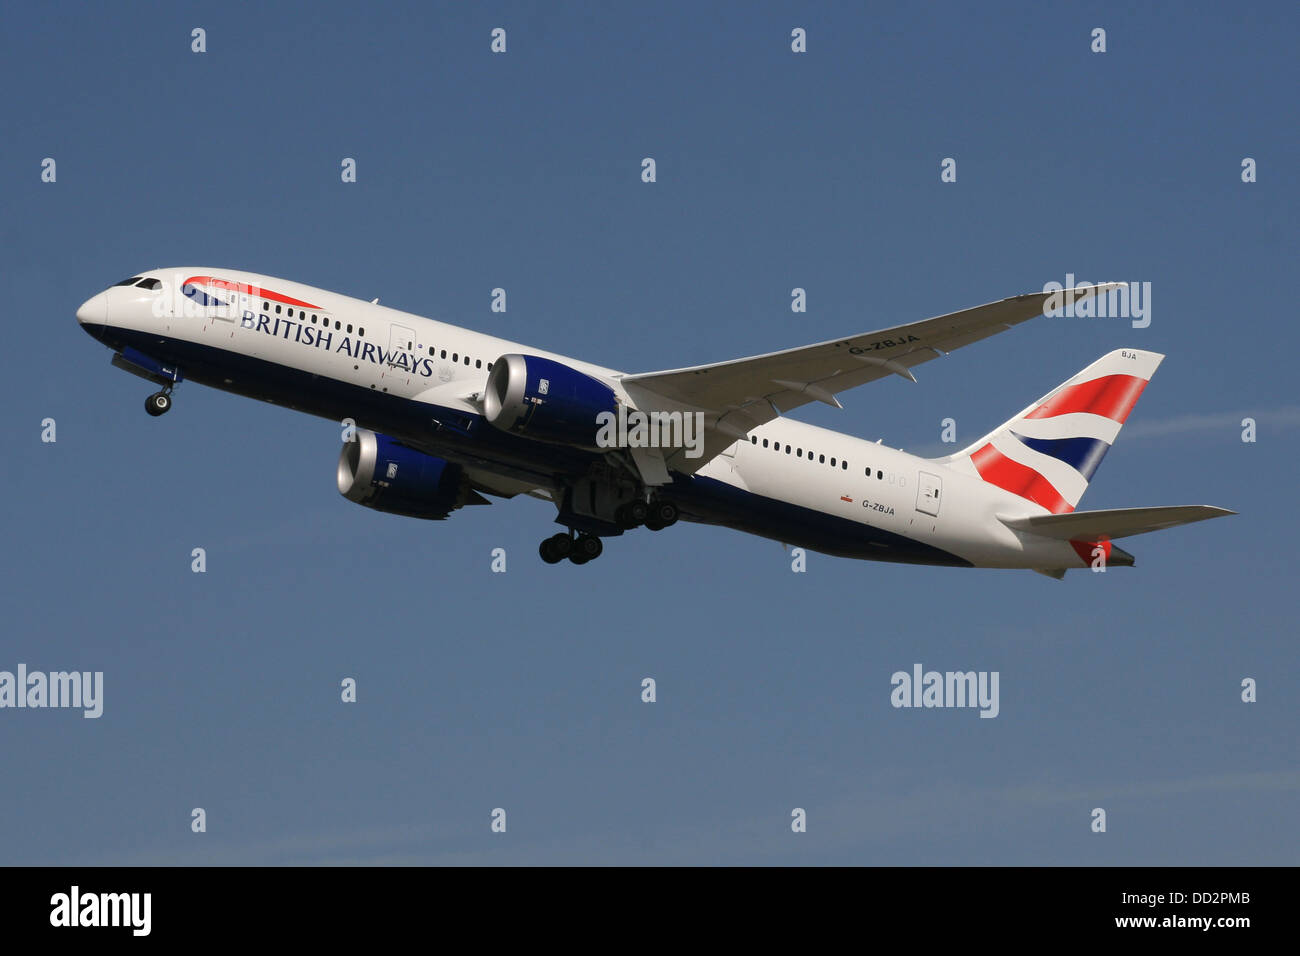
1049	452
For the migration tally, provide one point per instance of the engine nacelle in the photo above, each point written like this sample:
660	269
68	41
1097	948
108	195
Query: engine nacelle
546	400
377	472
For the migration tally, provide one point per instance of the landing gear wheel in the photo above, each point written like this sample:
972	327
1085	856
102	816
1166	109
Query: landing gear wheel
555	548
637	512
661	515
158	404
664	512
631	515
588	547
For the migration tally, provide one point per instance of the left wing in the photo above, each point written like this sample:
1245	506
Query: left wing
742	394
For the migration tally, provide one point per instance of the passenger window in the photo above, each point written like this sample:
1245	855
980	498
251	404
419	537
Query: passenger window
764	442
313	320
821	459
489	366
360	330
277	310
787	449
290	313
466	359
454	357
880	474
267	305
349	328
832	462
444	353
478	363
844	465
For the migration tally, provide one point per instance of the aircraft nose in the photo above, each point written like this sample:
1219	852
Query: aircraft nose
94	313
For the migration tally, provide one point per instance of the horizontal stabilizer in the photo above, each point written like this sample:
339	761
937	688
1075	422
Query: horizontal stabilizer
1115	523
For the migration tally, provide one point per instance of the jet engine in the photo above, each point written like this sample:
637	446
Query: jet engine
380	473
546	400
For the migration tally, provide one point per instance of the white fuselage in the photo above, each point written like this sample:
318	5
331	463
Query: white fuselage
321	352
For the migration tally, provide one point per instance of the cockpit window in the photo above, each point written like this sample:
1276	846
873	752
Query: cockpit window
131	281
153	285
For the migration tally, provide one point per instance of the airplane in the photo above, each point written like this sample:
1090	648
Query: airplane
437	417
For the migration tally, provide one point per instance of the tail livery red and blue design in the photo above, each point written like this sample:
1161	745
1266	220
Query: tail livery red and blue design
1049	452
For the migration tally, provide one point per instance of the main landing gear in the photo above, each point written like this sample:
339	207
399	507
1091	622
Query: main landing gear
661	514
579	550
655	514
632	514
159	403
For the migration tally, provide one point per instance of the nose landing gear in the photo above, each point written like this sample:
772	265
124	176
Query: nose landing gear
159	403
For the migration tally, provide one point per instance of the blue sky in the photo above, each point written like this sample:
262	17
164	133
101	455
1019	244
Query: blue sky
522	690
